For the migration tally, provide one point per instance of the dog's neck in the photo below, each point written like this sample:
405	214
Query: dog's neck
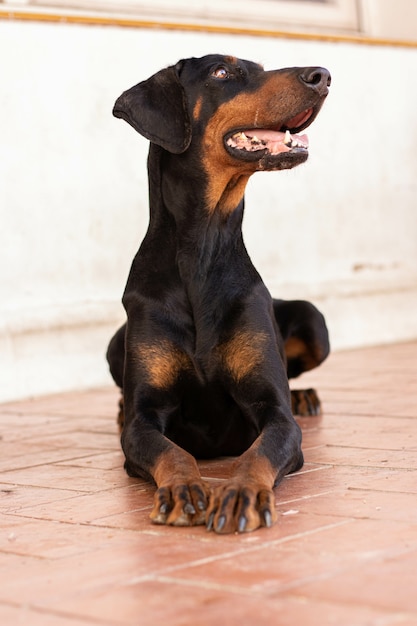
178	188
197	254
206	246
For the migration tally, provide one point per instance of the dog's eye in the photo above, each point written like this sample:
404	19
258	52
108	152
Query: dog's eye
220	72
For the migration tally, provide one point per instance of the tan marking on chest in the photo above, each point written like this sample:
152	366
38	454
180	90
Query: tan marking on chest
163	363
243	353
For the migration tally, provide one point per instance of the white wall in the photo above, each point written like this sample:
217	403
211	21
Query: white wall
341	229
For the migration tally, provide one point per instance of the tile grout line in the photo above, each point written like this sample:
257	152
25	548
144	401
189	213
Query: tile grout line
348	567
244	550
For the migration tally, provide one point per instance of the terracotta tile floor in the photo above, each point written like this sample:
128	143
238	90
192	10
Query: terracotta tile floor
77	548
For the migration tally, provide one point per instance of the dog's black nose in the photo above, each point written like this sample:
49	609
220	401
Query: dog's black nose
317	77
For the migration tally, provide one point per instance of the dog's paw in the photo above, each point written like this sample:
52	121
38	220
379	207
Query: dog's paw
240	507
181	504
305	402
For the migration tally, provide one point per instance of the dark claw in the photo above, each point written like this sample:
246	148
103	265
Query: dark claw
268	519
220	523
210	521
163	509
242	524
189	509
201	505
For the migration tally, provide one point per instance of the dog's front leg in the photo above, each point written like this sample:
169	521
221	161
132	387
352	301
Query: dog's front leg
254	371
182	496
246	501
151	399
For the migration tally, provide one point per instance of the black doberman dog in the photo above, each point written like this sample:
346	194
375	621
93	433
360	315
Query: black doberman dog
204	359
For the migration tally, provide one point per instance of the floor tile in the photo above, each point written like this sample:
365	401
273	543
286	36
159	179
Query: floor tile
361	504
86	508
362	457
166	601
16	497
23	615
72	478
390	584
51	540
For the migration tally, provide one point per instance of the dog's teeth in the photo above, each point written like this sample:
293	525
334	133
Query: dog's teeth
241	136
255	139
288	139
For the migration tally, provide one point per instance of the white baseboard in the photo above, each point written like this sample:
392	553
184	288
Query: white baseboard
56	349
61	348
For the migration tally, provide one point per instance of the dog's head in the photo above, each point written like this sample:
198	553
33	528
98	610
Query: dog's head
237	116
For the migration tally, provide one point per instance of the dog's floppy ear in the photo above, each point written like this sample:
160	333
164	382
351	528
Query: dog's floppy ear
157	109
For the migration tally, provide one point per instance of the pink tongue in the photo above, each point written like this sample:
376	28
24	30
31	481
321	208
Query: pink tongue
299	119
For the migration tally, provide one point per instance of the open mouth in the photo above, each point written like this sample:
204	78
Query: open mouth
271	141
